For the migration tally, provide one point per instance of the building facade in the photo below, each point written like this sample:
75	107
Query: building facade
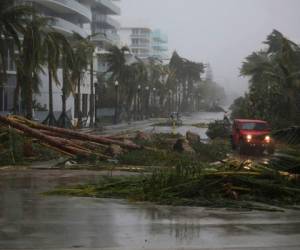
159	42
85	17
144	43
105	29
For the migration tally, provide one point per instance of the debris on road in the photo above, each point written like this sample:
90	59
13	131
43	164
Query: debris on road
65	141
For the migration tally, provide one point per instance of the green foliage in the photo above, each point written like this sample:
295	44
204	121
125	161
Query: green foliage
12	149
274	83
165	156
201	185
218	129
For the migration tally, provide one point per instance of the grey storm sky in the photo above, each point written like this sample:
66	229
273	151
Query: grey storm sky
221	32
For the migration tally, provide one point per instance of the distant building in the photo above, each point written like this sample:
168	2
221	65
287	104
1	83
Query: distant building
143	42
159	42
138	39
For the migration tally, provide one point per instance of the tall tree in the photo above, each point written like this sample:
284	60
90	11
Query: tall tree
274	80
82	54
13	20
31	59
55	46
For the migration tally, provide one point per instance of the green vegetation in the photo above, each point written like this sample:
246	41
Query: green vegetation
228	185
16	149
163	154
200	125
218	129
274	83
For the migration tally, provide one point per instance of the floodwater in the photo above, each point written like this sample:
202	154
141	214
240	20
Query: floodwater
189	121
29	220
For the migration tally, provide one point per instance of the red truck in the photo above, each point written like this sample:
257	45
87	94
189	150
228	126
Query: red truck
252	135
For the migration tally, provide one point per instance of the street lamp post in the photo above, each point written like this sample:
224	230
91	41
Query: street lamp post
116	102
170	101
139	108
179	100
147	101
154	101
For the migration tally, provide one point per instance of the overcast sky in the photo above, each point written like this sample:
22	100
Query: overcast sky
221	32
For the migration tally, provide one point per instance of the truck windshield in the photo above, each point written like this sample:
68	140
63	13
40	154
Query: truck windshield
254	126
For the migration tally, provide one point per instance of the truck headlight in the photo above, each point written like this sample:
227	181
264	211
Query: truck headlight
249	138
267	139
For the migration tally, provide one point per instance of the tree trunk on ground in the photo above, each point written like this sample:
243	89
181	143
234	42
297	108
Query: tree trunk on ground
55	142
81	136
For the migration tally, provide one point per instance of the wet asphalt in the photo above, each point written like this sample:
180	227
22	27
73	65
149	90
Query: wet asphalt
30	220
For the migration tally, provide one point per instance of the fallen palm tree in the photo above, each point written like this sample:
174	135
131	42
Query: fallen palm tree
74	134
65	141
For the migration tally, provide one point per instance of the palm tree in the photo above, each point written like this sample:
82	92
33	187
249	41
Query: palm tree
68	85
31	60
186	73
55	45
274	80
116	60
83	51
13	20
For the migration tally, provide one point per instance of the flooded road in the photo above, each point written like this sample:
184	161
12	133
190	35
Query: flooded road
149	125
29	220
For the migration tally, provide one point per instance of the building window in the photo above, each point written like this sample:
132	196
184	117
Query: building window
135	41
135	31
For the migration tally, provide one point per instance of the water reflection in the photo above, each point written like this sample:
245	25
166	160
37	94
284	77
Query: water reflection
30	220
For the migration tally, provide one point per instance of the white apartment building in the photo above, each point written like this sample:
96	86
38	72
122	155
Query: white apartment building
143	42
138	39
81	16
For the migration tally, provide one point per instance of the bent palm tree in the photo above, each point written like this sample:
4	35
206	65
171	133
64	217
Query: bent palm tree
13	20
31	59
82	53
53	48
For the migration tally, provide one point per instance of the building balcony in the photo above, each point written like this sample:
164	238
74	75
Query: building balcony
106	22
158	36
140	36
67	7
106	7
108	38
140	46
66	27
160	47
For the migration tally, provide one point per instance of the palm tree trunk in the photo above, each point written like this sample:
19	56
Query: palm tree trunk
50	93
50	120
17	94
29	104
92	96
64	120
79	102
